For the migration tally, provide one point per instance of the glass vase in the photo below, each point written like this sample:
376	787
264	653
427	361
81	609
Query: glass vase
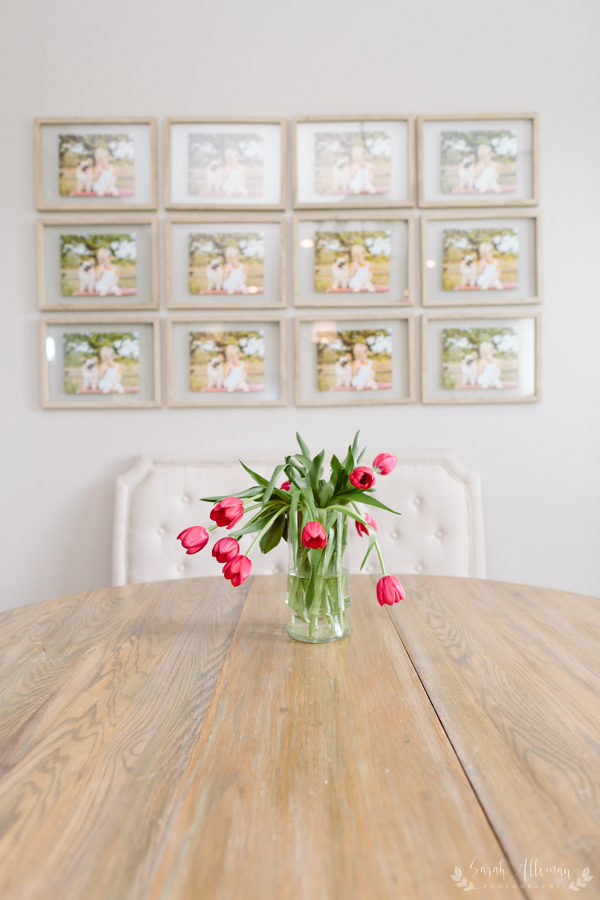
318	588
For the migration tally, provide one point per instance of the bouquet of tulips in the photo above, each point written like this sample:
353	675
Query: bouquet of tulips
311	513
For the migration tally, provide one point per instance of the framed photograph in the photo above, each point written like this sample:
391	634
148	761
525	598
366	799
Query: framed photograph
226	361
89	363
480	258
489	358
226	262
478	160
353	161
96	264
99	164
345	260
225	164
355	360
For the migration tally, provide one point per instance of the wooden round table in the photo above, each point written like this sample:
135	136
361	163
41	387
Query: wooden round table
169	740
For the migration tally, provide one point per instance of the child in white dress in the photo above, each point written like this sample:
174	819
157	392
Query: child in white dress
361	176
360	270
488	268
109	373
235	370
105	178
488	366
107	274
234	272
234	174
486	171
363	369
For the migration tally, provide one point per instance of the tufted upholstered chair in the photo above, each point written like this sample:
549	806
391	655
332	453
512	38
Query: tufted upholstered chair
440	531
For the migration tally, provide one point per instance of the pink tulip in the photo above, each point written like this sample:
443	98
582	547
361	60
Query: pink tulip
285	486
389	590
226	549
370	522
227	512
384	463
237	570
362	478
314	536
194	538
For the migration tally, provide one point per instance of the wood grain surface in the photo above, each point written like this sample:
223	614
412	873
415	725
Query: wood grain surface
170	741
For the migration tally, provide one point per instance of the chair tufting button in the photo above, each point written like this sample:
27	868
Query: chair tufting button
419	567
439	533
185	498
160	531
181	567
417	501
394	534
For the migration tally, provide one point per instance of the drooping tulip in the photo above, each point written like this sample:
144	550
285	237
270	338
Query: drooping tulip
384	463
285	486
362	478
389	590
194	538
226	549
227	512
370	522
237	570
314	536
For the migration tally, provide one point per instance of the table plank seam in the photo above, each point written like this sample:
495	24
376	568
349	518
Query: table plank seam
517	878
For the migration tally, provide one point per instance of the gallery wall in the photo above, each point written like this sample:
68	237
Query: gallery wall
539	462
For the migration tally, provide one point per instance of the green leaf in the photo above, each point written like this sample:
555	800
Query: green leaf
307	496
303	447
271	485
293	518
372	539
362	497
348	512
250	492
258	478
273	534
325	494
257	522
315	470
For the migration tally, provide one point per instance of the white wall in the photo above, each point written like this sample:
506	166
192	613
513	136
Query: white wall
539	463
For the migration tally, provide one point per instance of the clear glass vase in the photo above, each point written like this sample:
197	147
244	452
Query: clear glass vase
319	594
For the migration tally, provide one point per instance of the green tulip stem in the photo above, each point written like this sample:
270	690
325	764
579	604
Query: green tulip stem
381	562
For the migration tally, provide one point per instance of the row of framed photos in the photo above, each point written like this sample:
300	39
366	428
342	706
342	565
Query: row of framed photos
239	261
341	360
353	161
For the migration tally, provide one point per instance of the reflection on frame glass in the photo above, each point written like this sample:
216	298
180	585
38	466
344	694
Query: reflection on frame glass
226	361
97	264
231	263
477	160
354	360
344	260
96	364
480	259
225	164
95	164
346	161
488	358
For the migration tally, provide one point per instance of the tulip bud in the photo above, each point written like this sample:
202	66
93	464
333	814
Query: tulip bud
362	478
226	549
285	486
314	536
384	463
237	570
194	538
370	522
389	590
227	512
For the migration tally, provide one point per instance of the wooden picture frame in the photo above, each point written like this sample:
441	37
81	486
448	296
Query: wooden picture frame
468	169
492	227
273	292
399	292
91	181
50	232
315	380
338	173
476	380
53	369
232	184
219	394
